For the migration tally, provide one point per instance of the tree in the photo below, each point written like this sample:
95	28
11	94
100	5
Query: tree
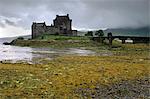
20	38
99	33
89	33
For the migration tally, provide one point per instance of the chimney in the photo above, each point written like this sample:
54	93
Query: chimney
67	15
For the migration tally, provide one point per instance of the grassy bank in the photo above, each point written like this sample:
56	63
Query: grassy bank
56	42
61	42
66	76
57	37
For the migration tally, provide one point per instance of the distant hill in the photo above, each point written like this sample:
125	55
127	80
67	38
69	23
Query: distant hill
116	32
2	40
129	32
81	33
24	36
123	32
9	39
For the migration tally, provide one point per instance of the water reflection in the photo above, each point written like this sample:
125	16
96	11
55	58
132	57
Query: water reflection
81	52
34	55
14	53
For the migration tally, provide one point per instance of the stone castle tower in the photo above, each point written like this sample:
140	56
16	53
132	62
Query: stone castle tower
62	26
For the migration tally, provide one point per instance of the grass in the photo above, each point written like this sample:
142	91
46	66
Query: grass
57	37
87	44
57	42
61	77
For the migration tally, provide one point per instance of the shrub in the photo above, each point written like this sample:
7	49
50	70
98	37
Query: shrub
89	33
20	38
99	33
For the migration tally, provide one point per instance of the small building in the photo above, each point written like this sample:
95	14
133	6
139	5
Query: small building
62	25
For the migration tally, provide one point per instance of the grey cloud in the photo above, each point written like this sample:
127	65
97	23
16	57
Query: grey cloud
85	13
117	13
2	25
10	22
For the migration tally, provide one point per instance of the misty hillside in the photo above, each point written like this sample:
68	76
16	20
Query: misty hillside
116	32
123	32
129	32
9	39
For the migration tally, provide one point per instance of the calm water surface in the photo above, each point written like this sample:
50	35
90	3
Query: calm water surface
32	55
36	55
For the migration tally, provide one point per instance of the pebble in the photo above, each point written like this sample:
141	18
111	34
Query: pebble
123	90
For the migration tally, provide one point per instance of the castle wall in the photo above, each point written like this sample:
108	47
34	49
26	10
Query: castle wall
62	26
69	24
74	32
38	29
52	30
63	23
33	31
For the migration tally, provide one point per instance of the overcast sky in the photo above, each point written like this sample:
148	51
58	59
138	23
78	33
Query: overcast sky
16	16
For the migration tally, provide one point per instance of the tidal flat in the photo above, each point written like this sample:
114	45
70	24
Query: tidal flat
123	74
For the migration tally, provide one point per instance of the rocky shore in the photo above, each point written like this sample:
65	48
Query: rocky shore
131	89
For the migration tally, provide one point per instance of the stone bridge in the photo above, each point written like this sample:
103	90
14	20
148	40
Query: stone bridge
135	39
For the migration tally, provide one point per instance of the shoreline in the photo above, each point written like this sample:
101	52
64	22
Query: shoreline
122	75
76	76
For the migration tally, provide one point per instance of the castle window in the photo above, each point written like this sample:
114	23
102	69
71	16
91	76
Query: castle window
61	28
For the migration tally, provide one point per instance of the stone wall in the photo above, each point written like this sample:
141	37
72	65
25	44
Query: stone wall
62	26
38	29
74	32
52	30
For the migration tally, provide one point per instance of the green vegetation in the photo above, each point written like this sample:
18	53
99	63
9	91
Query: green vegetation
89	33
62	77
57	42
57	37
20	38
99	33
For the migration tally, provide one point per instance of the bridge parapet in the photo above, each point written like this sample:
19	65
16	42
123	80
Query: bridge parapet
110	37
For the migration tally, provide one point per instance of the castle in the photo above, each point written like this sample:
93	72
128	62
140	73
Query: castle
62	25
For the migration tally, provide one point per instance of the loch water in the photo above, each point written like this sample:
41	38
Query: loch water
9	53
